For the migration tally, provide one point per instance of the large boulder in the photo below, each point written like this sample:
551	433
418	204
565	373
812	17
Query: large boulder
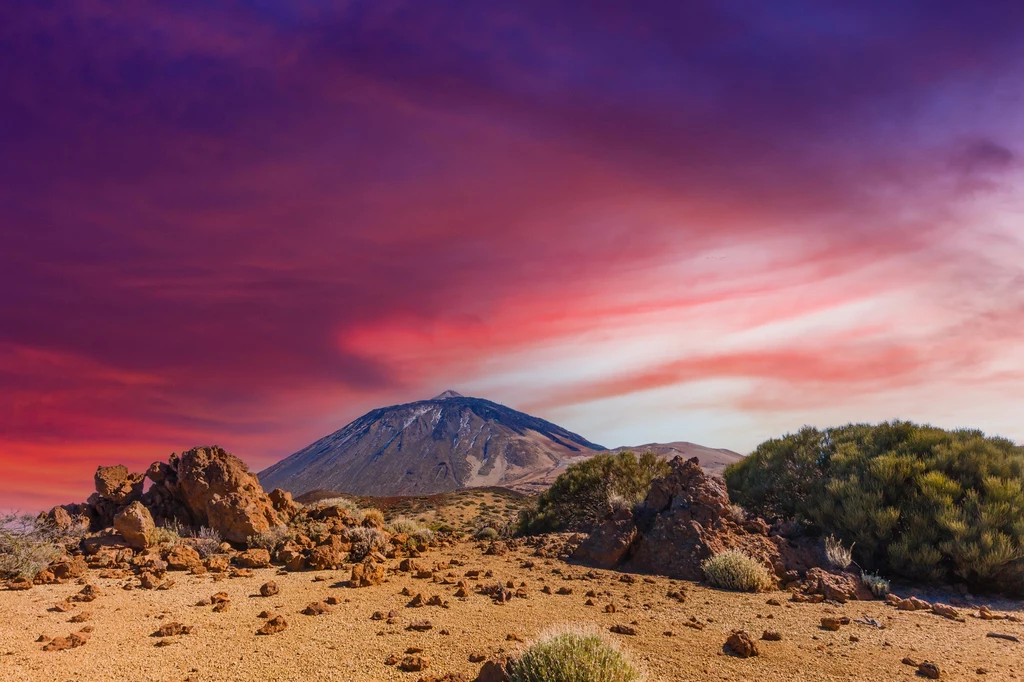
134	523
117	484
685	519
219	492
608	545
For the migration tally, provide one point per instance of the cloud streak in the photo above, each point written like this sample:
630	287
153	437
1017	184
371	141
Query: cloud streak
246	224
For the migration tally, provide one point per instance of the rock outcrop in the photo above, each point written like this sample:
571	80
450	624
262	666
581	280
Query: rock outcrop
134	523
685	519
205	486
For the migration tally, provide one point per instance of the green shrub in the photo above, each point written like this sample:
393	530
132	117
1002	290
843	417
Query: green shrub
572	656
917	501
878	585
734	570
586	491
486	533
166	534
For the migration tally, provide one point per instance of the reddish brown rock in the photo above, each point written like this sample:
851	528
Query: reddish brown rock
221	493
840	587
413	664
317	608
253	558
741	644
269	589
326	557
283	503
273	626
609	544
366	574
75	639
134	523
685	519
117	484
946	611
182	558
172	630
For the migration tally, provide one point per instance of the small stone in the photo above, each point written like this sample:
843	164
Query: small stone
273	626
172	630
741	644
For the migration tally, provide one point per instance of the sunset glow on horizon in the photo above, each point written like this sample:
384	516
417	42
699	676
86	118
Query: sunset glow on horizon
249	223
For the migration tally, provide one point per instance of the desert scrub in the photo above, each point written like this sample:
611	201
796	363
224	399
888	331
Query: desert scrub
878	585
406	525
734	570
367	540
27	545
487	533
373	518
271	540
206	541
572	656
582	496
168	534
839	556
919	502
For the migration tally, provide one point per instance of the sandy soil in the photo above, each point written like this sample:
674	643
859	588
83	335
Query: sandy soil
347	645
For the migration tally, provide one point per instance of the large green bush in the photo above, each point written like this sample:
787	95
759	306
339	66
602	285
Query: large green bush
915	501
583	494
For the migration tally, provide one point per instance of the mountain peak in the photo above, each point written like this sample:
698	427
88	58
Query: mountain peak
448	394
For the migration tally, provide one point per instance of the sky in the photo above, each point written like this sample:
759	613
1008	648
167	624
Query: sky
247	223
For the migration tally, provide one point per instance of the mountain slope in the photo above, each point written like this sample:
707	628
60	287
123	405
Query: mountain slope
431	446
712	460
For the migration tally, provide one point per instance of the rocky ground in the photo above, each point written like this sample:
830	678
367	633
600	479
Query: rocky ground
674	629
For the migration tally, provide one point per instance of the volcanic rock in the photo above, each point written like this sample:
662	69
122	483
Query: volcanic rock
685	519
220	493
741	644
116	484
134	523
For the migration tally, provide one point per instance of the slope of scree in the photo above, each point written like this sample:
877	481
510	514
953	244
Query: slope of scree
431	446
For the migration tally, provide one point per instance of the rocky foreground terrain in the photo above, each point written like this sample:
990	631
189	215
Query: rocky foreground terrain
675	629
325	592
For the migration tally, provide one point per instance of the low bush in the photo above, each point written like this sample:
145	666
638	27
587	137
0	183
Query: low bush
161	535
206	541
878	585
572	656
405	525
367	540
915	501
585	493
373	518
487	533
27	545
838	555
271	540
734	570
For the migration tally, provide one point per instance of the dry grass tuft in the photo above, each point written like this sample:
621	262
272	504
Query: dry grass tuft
734	570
